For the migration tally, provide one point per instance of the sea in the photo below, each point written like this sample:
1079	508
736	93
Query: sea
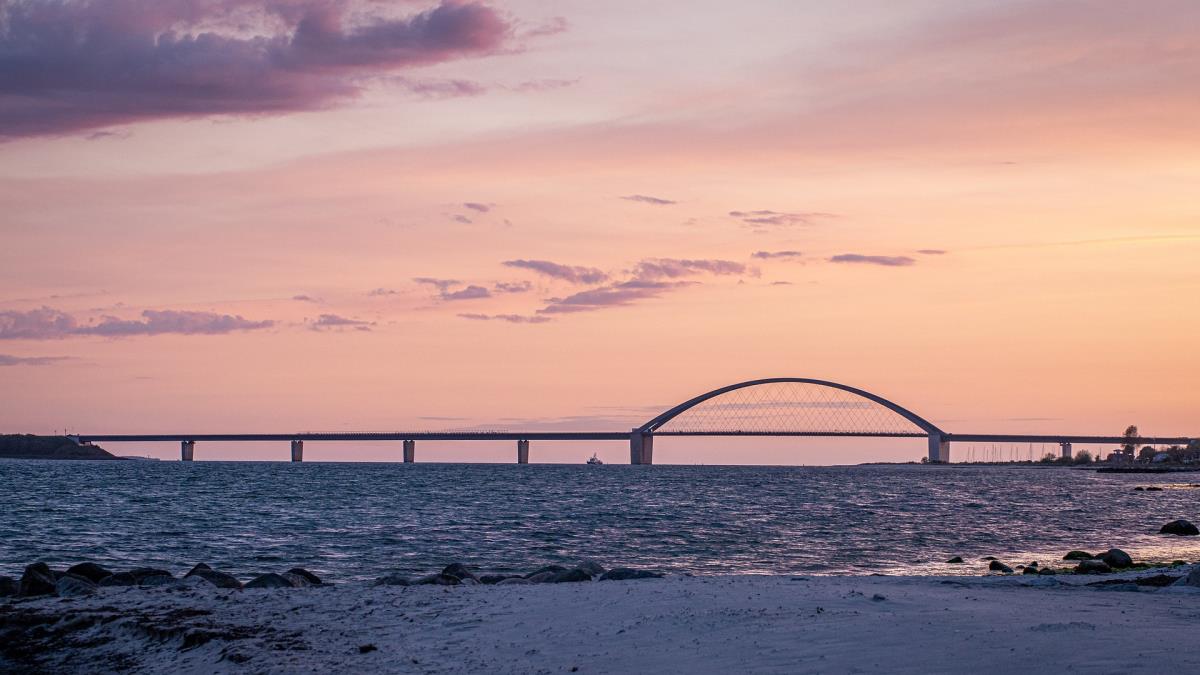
356	521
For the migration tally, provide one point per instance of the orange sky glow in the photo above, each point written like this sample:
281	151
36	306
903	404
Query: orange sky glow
571	214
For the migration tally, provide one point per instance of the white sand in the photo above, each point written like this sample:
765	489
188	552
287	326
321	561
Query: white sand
1022	624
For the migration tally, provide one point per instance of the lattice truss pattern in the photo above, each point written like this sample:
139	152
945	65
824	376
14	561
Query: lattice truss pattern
790	407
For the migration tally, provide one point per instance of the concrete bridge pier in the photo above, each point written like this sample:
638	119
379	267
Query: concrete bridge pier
1066	450
939	449
297	451
187	450
641	448
522	452
410	452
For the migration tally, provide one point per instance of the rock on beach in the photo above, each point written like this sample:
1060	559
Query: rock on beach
1181	528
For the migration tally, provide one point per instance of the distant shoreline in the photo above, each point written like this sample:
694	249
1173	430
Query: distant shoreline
30	446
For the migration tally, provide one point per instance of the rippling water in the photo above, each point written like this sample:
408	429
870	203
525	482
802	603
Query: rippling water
353	521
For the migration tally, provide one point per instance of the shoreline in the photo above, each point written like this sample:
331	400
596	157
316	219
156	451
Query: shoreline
679	624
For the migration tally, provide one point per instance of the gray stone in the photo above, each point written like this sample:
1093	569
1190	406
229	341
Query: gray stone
1049	571
1192	578
37	580
956	560
296	580
592	567
8	586
514	581
218	579
1116	558
312	578
997	566
119	579
1181	528
141	573
268	580
71	585
393	579
625	574
1078	555
1093	567
543	577
570	576
547	568
459	571
1031	570
90	571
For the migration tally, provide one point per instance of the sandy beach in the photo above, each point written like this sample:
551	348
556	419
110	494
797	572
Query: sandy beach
722	624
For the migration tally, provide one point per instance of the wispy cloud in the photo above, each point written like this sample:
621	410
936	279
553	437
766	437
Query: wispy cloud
674	268
647	199
509	318
882	260
572	273
764	218
304	298
776	255
9	360
46	323
615	295
326	321
512	286
478	206
381	292
931	251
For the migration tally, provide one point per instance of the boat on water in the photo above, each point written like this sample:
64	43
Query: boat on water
594	460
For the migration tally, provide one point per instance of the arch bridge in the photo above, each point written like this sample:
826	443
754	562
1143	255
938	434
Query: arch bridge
779	406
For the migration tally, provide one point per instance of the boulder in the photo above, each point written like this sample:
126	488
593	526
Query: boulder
218	579
514	581
1094	566
393	579
496	578
268	580
312	578
459	571
547	568
989	557
1180	527
1190	579
71	585
37	580
90	571
1049	571
119	579
1116	558
296	580
1078	555
437	580
8	586
543	577
997	566
1032	569
1154	489
956	560
625	574
143	573
592	567
570	576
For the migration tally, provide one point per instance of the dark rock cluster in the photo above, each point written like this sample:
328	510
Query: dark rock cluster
84	578
458	574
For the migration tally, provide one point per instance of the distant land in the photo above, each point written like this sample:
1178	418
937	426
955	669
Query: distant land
29	446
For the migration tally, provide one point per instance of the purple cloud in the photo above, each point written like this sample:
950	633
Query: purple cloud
761	218
513	286
459	218
471	292
883	260
573	274
931	251
381	292
304	298
326	321
160	322
9	360
615	295
771	255
72	64
478	206
673	268
647	199
510	318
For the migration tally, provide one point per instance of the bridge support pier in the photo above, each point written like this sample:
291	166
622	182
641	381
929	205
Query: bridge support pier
297	451
187	450
410	452
641	448
522	452
939	449
1066	450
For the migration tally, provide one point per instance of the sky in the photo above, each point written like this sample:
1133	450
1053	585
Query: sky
290	215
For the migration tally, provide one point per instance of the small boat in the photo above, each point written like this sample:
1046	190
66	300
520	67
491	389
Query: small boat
594	460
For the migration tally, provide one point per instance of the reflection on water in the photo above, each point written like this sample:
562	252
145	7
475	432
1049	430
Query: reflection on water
352	521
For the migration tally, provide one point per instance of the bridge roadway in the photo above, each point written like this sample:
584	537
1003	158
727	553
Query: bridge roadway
640	443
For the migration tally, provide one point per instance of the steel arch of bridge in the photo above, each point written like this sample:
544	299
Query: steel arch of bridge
927	427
